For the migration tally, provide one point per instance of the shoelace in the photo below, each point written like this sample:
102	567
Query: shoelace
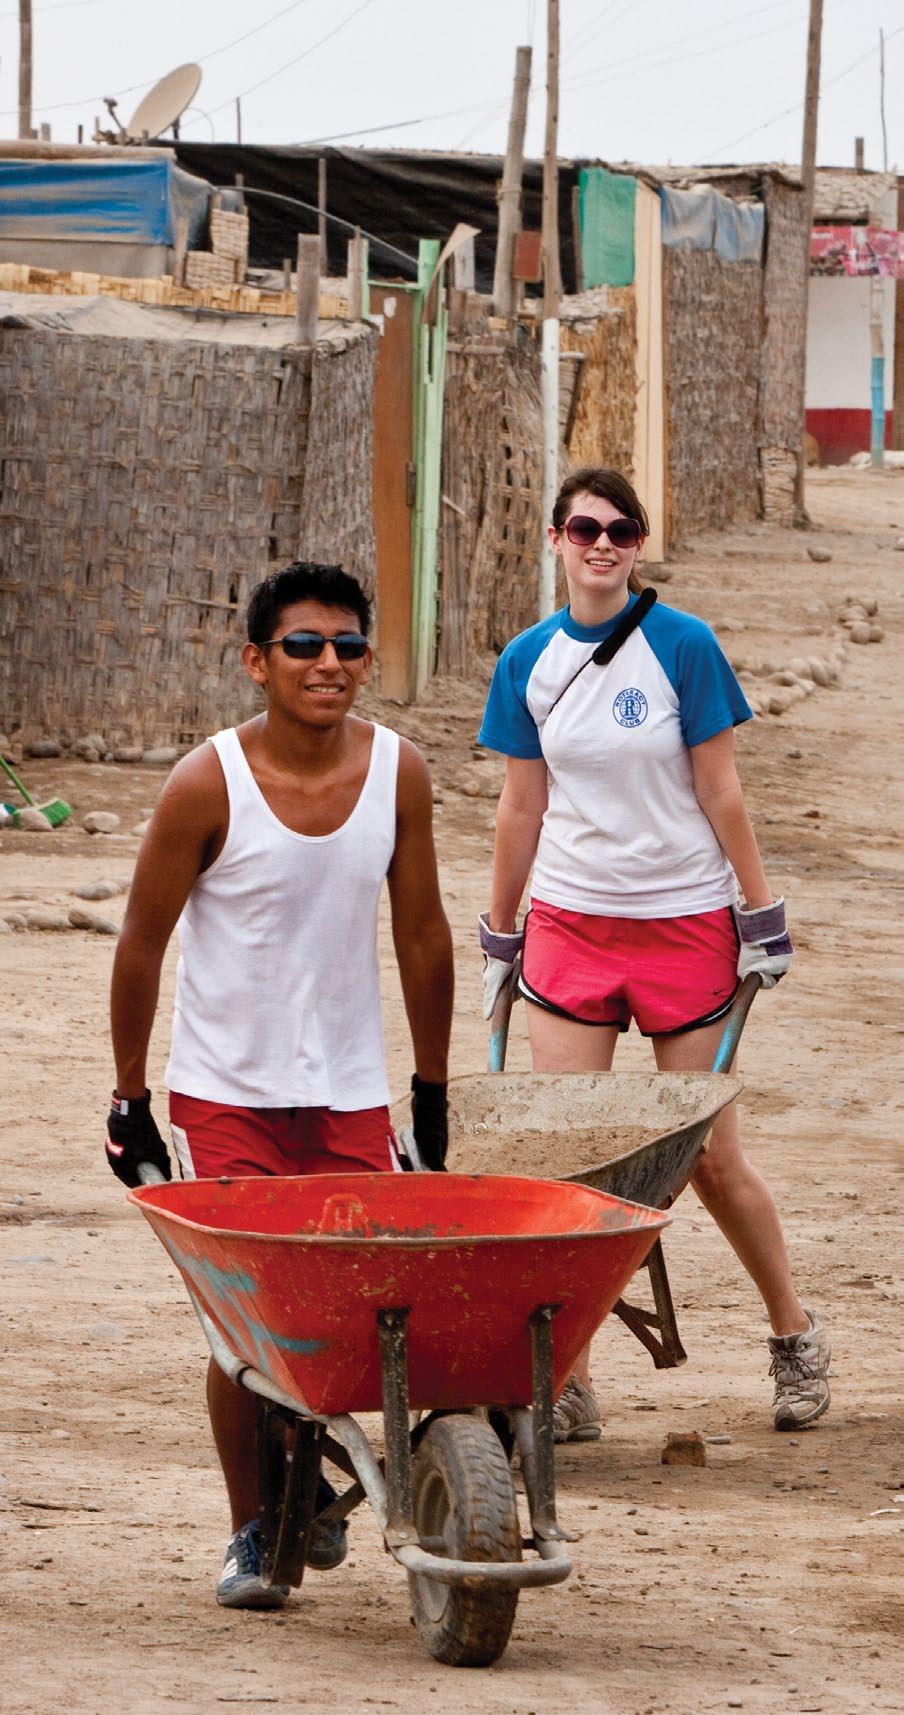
244	1549
796	1367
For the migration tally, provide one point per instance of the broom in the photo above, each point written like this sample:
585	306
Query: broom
56	811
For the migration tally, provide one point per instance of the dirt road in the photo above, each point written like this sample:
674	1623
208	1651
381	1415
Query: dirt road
768	1581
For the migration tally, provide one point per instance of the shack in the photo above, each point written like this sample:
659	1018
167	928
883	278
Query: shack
157	463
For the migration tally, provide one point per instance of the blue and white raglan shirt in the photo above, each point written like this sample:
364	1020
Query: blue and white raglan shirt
623	834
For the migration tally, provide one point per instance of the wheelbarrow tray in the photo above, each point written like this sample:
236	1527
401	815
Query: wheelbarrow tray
632	1135
292	1273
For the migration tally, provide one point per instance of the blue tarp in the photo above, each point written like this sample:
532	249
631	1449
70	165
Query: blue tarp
705	220
131	201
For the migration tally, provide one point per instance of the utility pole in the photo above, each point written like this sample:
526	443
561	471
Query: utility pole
882	100
510	197
808	179
24	68
552	291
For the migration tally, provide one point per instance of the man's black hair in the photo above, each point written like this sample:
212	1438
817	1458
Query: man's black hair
304	580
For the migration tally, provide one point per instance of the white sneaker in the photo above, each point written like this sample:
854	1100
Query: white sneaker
800	1364
576	1415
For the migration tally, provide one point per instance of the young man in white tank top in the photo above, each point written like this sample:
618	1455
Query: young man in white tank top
269	848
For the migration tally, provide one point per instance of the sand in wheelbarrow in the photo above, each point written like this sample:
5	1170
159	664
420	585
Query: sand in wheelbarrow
543	1154
553	1126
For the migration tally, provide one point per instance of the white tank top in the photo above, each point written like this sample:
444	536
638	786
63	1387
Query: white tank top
278	985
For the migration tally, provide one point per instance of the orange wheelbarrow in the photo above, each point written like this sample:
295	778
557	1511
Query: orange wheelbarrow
466	1299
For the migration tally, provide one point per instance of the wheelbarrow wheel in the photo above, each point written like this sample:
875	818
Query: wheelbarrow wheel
465	1509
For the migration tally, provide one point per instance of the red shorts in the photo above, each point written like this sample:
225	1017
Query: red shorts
667	973
214	1140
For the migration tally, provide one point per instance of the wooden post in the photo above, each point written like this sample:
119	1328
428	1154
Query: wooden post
307	303
877	371
551	293
510	195
552	280
463	267
179	251
24	68
858	154
897	422
287	274
808	178
882	100
357	277
238	119
321	213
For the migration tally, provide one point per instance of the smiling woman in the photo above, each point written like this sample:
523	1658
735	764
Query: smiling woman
616	719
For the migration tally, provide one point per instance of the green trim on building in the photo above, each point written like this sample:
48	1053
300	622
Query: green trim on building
606	213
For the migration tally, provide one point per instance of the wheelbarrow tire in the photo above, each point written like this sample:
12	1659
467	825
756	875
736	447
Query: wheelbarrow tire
464	1499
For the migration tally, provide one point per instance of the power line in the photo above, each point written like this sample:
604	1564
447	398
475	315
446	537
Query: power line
827	83
589	32
355	13
694	36
54	6
335	219
274	17
700	53
86	100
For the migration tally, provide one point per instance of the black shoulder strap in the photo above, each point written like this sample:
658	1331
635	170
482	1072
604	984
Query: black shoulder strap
608	649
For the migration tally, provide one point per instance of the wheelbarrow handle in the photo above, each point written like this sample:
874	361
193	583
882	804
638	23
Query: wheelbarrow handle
725	1053
499	1023
735	1022
148	1174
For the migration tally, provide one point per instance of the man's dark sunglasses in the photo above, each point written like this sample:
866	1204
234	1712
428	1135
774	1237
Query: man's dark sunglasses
308	645
583	531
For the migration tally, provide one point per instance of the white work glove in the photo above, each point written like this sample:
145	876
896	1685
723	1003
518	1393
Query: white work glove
765	942
501	961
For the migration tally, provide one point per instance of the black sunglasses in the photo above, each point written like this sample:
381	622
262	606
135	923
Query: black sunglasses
308	645
583	531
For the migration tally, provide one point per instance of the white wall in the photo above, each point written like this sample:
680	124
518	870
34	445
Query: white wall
838	343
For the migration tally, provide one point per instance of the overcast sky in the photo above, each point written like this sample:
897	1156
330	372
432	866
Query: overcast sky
643	80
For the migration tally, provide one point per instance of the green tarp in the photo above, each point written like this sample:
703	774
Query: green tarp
606	213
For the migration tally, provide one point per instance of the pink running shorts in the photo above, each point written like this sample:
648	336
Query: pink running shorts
669	974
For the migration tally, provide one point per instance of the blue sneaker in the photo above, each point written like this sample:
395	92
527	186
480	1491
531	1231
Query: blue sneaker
241	1584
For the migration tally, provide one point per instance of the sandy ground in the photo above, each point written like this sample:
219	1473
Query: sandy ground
768	1581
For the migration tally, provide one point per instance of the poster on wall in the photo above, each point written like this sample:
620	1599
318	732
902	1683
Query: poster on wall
857	250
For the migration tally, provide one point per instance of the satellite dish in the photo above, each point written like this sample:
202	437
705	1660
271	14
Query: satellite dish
162	107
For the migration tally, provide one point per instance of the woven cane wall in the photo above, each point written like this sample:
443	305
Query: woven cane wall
603	428
146	486
784	347
712	316
491	497
336	514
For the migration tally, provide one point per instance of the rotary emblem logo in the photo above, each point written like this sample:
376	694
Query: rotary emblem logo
630	707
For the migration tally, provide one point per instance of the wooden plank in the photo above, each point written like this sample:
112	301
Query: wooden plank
393	466
308	301
649	422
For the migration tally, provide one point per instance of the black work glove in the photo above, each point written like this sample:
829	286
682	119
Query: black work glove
430	1123
132	1137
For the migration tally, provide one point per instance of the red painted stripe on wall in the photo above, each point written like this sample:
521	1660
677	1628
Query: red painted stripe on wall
843	431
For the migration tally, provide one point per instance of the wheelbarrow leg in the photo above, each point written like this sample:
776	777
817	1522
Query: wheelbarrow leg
656	1329
391	1327
535	1435
289	1453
